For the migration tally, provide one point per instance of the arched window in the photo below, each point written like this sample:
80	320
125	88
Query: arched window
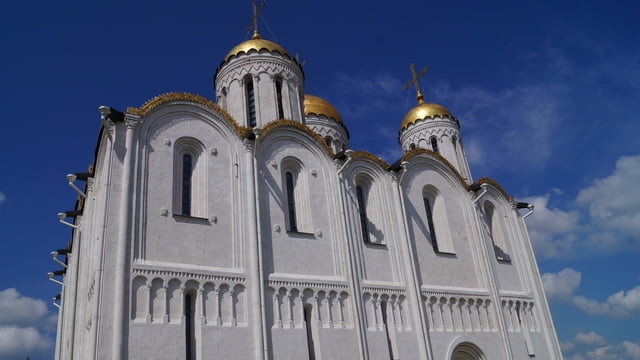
437	222
291	201
327	140
496	232
370	210
295	188
189	190
432	230
467	351
279	107
434	144
250	97
187	173
223	98
412	146
362	212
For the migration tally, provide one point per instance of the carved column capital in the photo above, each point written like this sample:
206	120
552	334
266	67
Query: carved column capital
248	145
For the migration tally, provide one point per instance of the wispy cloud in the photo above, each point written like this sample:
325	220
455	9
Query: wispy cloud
562	287
367	95
515	125
2	198
23	321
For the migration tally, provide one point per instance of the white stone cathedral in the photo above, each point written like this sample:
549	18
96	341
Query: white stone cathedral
245	229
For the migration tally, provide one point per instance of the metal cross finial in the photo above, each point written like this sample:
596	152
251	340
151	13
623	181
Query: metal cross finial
414	81
254	19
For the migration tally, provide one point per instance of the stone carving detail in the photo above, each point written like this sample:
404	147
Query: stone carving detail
331	306
459	312
519	315
396	309
160	300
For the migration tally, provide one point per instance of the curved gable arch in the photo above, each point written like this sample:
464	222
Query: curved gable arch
271	133
160	102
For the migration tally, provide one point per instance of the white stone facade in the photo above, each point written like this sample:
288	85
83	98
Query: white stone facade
202	237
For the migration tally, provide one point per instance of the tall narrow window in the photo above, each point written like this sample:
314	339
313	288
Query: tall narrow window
251	101
291	200
436	221
362	210
187	172
434	144
310	344
189	178
496	233
280	108
383	309
432	229
189	316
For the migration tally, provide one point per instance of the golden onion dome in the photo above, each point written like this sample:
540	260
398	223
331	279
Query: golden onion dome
423	111
255	43
319	106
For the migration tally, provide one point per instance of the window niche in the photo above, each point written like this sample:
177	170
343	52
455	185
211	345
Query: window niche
279	105
189	183
434	144
250	98
496	232
437	222
296	193
368	211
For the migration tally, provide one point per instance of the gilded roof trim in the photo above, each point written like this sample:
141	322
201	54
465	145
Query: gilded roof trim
415	152
406	123
294	124
486	180
369	156
162	99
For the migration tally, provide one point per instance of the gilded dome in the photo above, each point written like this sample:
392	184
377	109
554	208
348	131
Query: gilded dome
319	106
422	111
256	43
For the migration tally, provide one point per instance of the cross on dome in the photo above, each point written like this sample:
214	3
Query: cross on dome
414	81
254	18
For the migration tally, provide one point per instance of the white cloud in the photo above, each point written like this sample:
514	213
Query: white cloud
23	323
21	342
623	304
631	349
591	339
613	203
2	198
606	219
20	310
552	231
625	350
562	286
567	346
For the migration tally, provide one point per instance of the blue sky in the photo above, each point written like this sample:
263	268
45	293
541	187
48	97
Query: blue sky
546	93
